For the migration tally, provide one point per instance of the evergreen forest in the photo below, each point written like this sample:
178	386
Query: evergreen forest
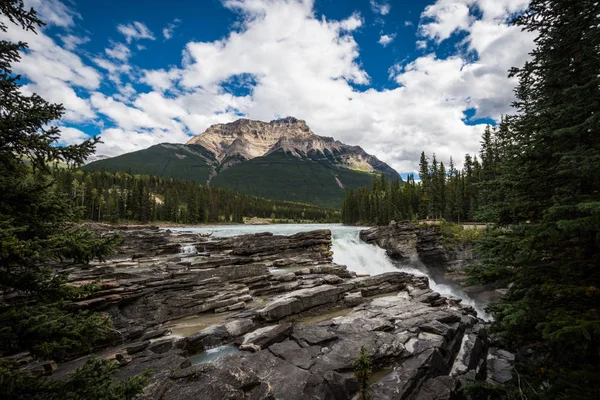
442	192
119	197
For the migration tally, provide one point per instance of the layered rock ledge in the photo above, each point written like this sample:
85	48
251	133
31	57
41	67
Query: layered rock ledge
291	320
423	245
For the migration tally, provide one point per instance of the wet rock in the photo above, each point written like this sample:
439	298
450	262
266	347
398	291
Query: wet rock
123	359
280	308
499	366
136	347
438	388
151	334
239	327
265	337
409	376
429	343
353	299
291	352
209	337
313	334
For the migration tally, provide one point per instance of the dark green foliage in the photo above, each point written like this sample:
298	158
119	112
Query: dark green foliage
185	162
457	234
114	197
282	176
93	381
312	178
441	194
37	231
362	373
545	192
49	331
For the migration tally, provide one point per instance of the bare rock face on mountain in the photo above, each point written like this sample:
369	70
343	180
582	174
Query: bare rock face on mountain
280	160
246	139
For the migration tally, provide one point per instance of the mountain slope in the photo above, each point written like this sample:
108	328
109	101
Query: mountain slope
281	159
280	175
188	162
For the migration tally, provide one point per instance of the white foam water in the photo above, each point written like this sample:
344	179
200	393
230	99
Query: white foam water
188	250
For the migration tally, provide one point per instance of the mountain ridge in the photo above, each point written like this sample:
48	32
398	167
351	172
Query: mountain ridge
248	139
282	159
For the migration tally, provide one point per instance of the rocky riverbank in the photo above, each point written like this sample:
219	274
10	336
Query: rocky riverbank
410	243
288	321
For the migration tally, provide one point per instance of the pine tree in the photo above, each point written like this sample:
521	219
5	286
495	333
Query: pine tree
425	202
548	206
362	373
36	230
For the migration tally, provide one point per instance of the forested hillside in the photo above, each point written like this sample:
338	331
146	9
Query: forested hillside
114	197
281	176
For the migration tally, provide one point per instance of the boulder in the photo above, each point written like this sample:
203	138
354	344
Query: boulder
265	337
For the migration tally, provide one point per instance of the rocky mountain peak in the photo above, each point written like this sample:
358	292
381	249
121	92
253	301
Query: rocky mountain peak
245	139
248	138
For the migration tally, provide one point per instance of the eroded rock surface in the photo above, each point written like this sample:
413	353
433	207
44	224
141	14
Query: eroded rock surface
410	243
268	288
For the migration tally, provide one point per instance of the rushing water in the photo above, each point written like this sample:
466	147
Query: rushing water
348	250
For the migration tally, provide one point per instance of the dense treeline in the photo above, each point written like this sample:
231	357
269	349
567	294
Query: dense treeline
114	197
448	193
538	185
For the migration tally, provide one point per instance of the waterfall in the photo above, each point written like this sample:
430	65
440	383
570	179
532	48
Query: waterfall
364	258
187	250
348	250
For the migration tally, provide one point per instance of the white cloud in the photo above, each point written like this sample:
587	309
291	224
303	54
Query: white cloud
118	51
71	42
70	135
380	8
45	59
135	31
126	117
384	40
160	80
352	23
170	28
53	12
445	17
118	140
441	19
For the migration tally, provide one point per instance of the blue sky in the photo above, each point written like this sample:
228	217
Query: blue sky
396	77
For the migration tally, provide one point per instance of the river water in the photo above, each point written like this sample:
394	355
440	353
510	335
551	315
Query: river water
349	250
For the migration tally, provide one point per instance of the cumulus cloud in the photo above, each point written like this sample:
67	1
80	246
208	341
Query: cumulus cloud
445	17
170	28
305	66
384	40
135	31
71	42
118	51
70	135
380	8
54	12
